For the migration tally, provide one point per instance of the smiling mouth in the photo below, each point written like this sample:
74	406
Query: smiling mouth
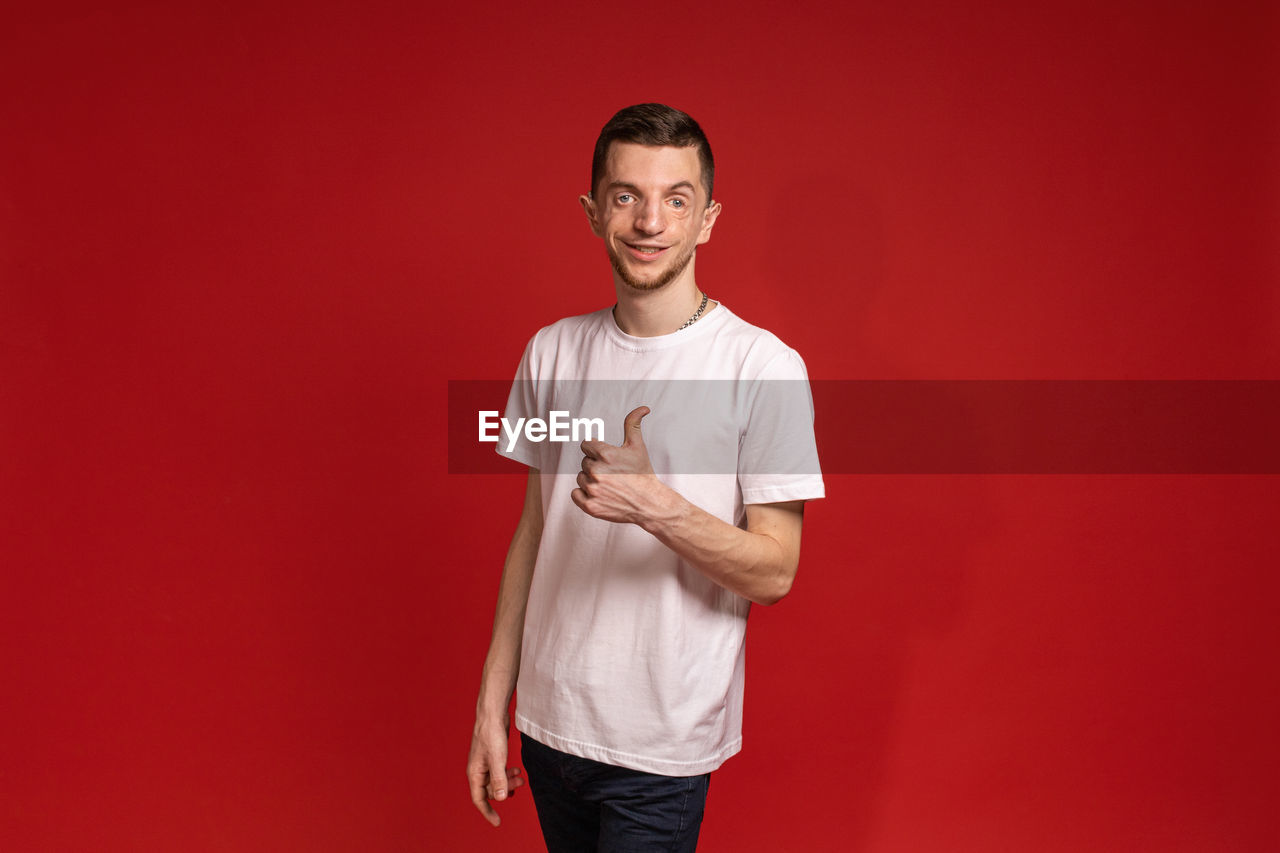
646	251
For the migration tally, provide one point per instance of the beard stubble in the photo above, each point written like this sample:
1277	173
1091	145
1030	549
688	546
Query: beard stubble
669	275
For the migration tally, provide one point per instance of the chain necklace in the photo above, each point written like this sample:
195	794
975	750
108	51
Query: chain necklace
696	314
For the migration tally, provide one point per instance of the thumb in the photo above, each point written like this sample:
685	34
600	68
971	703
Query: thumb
631	426
498	774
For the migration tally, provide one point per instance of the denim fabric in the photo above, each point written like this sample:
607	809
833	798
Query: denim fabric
585	806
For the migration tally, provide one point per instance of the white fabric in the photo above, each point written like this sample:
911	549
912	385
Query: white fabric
631	656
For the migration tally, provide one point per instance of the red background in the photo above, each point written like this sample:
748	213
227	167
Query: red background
243	249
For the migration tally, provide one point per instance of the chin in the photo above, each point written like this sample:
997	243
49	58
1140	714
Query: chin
656	281
645	286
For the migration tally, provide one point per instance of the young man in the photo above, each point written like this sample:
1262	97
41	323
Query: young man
623	603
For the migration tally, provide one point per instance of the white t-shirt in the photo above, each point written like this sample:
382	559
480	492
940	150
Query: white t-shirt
631	656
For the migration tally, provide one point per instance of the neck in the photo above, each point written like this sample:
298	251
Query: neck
649	313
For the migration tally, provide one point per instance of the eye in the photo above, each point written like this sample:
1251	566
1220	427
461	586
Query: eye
677	203
624	198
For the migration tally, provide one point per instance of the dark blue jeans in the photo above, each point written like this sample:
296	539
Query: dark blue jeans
586	806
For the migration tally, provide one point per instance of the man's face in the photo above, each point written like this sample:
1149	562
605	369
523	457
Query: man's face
651	210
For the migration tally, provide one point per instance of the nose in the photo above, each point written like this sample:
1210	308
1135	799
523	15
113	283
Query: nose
651	217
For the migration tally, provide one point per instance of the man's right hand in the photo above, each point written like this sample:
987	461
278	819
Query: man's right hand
487	770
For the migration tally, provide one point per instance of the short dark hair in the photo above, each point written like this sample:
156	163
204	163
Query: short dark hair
653	124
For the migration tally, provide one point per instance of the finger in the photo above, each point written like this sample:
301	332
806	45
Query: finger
511	793
480	799
579	497
583	480
591	448
631	426
588	463
514	781
497	778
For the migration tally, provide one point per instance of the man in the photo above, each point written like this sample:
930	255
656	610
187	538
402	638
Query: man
624	597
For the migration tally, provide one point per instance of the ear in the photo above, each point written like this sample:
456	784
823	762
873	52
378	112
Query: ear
709	217
593	216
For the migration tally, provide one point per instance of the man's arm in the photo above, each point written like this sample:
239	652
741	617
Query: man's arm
759	563
487	770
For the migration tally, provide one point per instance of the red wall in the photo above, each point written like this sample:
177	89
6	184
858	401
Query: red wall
244	607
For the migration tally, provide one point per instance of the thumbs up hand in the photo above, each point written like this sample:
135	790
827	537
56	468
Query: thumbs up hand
617	483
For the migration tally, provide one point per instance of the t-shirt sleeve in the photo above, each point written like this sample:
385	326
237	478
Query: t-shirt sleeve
522	402
778	454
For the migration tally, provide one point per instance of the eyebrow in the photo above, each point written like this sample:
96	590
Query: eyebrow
623	185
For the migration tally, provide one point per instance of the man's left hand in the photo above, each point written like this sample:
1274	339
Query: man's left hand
618	483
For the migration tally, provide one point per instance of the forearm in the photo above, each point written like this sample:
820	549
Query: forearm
502	664
617	484
758	564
